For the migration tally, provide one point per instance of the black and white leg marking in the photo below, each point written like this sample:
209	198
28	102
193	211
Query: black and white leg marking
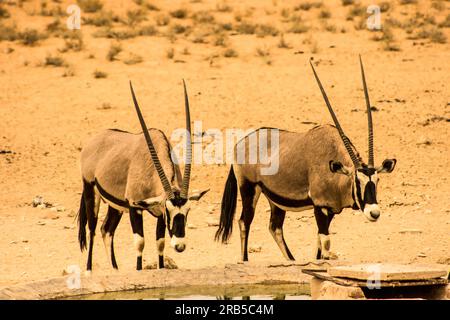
160	240
277	216
138	233
323	220
108	229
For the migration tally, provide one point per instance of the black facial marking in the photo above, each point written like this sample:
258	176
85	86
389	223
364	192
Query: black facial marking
358	194
168	222
370	193
177	200
178	229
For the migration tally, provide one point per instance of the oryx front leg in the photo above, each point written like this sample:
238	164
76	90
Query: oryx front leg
250	195
138	232
277	216
160	240
323	220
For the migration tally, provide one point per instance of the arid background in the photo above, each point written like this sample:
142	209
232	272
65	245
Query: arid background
246	64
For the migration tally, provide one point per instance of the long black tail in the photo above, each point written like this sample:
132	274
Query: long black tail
228	209
82	221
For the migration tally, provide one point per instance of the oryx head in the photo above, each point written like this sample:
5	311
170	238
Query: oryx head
174	204
365	176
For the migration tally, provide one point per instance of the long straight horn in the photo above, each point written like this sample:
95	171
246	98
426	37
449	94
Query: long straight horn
187	167
151	148
336	122
369	115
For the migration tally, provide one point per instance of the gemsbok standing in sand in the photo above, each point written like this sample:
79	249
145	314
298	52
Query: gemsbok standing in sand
318	169
117	168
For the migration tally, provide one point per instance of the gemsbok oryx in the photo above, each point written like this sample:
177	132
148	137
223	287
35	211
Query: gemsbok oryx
318	169
117	168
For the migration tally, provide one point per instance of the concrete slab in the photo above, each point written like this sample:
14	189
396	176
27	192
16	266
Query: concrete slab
387	272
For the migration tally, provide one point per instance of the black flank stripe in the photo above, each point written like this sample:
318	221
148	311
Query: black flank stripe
291	203
111	198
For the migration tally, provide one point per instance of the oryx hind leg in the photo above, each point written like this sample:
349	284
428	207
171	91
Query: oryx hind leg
92	202
323	216
277	216
250	193
137	224
108	229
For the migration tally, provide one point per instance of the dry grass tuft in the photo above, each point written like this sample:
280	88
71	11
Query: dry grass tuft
230	53
113	51
31	37
54	61
90	6
99	74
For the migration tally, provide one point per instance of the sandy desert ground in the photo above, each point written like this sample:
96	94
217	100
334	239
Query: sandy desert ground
246	64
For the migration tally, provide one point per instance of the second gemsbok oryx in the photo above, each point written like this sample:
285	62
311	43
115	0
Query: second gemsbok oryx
135	173
319	169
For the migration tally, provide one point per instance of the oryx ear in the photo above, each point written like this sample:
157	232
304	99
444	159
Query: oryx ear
337	167
197	194
150	202
387	166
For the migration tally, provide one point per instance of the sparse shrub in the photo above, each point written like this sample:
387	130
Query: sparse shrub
100	19
298	27
73	44
203	17
221	40
148	30
114	50
225	26
100	74
230	53
403	2
4	13
325	14
348	2
356	11
8	33
437	36
90	6
438	5
262	52
30	37
246	28
115	34
385	6
134	17
306	6
147	5
266	30
223	7
283	44
285	14
178	29
330	28
54	61
186	51
446	22
170	53
54	27
179	13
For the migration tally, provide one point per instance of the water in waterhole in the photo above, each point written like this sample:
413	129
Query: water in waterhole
229	292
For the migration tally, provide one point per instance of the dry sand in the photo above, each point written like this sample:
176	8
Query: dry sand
45	118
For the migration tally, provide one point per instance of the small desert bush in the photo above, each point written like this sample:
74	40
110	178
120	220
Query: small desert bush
110	33
325	14
437	36
30	37
203	17
403	2
438	5
356	11
305	6
330	27
230	53
134	17
298	27
263	30
4	13
283	44
73	44
170	53
385	6
223	7
147	5
148	30
113	51
54	61
179	14
90	6
246	28
446	22
348	2
262	52
220	40
8	33
100	19
99	74
178	29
